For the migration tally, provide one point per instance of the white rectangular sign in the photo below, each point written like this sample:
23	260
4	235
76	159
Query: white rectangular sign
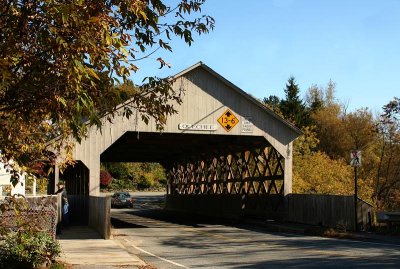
247	125
197	127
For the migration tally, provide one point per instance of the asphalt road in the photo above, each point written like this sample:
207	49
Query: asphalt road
167	240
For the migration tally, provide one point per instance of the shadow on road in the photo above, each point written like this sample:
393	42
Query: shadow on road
195	235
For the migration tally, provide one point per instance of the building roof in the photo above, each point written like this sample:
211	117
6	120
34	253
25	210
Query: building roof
240	92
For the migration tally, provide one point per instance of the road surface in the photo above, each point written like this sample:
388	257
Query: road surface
167	240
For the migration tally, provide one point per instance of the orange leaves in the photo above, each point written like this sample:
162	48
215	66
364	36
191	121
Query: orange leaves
59	61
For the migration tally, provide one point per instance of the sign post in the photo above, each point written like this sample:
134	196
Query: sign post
355	161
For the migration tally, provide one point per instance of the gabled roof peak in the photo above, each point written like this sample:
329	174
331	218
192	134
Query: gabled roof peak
239	91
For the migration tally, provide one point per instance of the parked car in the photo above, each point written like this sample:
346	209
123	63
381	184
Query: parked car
121	199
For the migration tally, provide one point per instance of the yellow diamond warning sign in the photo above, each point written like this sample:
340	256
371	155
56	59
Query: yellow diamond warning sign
228	120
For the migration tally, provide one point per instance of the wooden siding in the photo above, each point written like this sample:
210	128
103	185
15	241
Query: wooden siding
206	98
100	216
335	211
78	209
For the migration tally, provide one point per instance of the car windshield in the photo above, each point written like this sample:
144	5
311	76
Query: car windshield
124	195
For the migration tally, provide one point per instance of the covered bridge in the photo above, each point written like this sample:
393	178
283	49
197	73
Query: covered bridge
222	148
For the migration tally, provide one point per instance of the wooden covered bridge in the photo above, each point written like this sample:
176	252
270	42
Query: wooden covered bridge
223	151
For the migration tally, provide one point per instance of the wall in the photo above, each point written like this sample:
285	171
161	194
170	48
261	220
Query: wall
324	210
78	209
334	211
365	215
99	215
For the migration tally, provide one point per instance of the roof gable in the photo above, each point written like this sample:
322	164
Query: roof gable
239	91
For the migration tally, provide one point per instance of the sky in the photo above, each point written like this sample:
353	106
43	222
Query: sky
259	44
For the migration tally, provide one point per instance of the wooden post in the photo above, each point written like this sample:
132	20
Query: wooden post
288	174
56	177
33	187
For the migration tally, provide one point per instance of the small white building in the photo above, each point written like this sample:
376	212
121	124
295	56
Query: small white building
5	181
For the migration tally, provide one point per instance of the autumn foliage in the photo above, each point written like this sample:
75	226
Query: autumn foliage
105	178
61	63
321	155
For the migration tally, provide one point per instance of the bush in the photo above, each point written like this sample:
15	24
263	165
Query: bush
134	176
28	249
23	242
122	184
105	178
145	181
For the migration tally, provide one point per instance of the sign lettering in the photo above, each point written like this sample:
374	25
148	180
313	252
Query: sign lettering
197	127
228	120
247	125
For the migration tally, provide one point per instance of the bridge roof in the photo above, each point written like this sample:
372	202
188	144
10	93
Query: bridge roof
244	94
207	96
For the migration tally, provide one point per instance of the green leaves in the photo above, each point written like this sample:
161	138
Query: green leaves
28	249
60	61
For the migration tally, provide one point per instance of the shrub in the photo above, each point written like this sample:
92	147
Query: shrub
122	184
145	181
24	243
105	178
28	249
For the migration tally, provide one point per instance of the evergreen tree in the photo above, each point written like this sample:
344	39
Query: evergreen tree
292	107
273	102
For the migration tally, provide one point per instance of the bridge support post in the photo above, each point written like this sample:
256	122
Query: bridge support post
288	174
94	176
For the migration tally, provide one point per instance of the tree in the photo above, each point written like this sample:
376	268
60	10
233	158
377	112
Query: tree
359	128
328	121
314	98
391	113
387	183
318	173
136	175
272	102
314	171
60	60
292	107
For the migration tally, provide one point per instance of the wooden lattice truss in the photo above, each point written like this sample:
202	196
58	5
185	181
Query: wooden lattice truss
257	171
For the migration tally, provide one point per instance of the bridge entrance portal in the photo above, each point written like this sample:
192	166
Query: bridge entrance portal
224	151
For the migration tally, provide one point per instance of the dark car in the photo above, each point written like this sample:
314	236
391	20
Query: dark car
121	199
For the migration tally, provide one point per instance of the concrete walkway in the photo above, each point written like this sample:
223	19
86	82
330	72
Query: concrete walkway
83	248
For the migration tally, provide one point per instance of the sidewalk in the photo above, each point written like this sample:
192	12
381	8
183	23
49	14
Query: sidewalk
83	248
